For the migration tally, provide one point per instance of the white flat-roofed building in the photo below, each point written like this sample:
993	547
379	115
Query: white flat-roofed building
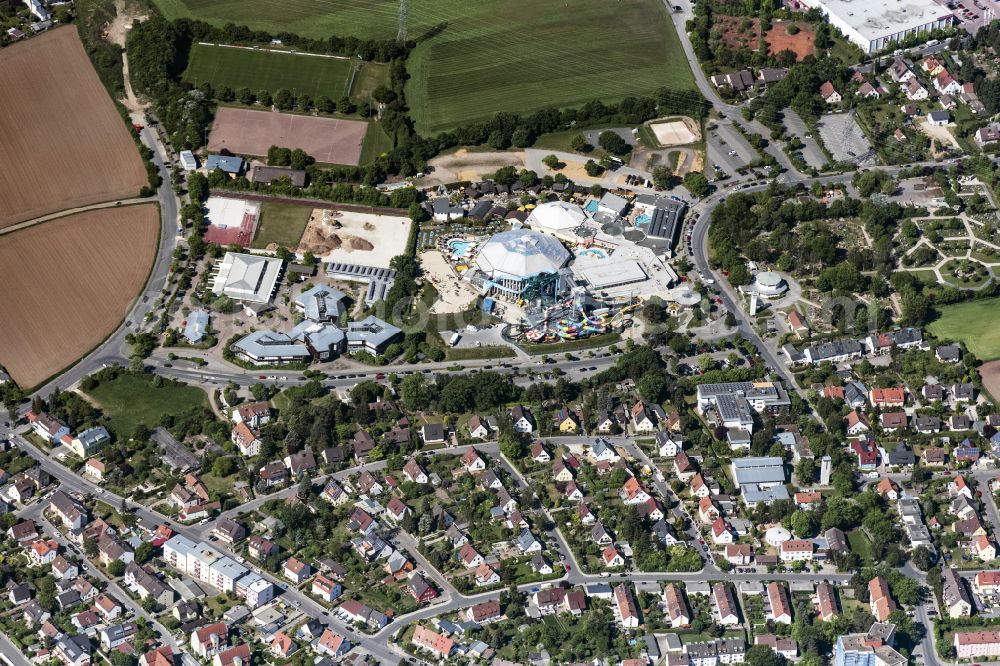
732	401
224	573
192	558
188	161
247	278
609	273
875	25
254	590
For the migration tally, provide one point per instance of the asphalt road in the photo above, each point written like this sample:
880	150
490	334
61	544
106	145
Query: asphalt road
112	346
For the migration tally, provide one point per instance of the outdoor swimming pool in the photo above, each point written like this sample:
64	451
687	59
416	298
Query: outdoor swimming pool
643	219
591	206
600	253
460	248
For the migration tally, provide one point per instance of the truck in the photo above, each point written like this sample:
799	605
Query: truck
455	337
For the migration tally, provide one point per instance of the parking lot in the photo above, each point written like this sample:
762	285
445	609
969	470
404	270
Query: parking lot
845	140
811	152
973	14
728	149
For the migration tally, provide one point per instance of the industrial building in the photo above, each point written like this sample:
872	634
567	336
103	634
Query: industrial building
247	278
875	25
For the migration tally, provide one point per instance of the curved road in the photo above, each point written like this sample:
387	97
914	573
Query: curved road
112	345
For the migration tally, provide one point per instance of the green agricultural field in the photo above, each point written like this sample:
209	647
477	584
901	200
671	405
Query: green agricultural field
976	323
129	400
518	55
367	19
264	70
541	55
282	224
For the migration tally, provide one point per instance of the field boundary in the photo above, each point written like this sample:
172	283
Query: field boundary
127	310
72	146
135	201
258	49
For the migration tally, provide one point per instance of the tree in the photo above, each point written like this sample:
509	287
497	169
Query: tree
652	386
325	105
552	162
298	159
283	99
123	659
346	106
116	568
806	471
663	177
592	168
512	447
245	96
804	524
762	655
144	553
223	466
696	183
916	308
923	558
613	143
497	140
579	144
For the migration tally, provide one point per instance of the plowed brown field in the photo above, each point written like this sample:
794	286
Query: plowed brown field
67	284
63	142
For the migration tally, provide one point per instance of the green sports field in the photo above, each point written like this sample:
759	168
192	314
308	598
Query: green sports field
281	224
517	55
976	323
263	70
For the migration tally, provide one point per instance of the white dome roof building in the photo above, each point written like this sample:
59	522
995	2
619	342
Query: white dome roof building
511	259
556	216
769	284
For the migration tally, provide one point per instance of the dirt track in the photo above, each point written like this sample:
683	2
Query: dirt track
465	165
248	132
68	283
67	146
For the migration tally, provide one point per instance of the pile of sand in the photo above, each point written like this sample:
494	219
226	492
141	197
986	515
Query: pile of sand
321	243
354	243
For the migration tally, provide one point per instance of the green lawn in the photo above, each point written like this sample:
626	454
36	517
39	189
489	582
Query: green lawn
976	323
471	353
859	544
524	55
282	224
376	142
132	399
263	70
